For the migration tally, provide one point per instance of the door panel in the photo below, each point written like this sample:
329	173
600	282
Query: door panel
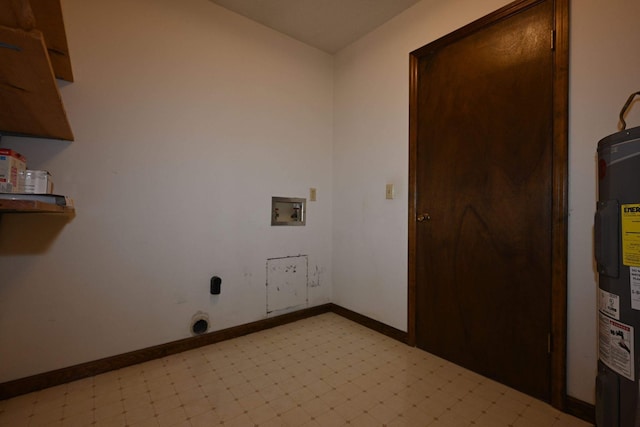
484	136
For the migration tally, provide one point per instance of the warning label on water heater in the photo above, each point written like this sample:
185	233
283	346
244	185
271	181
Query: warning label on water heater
631	235
616	346
610	304
634	282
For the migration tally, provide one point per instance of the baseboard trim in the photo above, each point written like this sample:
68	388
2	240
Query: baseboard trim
33	383
583	410
72	373
370	323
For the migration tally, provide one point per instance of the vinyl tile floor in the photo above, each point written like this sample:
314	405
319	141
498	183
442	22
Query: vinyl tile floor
321	371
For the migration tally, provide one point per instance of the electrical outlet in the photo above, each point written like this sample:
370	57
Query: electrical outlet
312	194
390	191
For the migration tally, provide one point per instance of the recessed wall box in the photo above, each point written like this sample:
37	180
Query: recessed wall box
288	211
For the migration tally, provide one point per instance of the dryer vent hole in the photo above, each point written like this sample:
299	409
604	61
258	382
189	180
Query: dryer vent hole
200	327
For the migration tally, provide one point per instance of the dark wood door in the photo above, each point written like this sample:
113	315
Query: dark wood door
483	198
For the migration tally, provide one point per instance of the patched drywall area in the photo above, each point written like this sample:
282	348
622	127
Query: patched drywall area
287	284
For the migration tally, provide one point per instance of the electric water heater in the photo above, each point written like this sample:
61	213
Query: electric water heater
617	252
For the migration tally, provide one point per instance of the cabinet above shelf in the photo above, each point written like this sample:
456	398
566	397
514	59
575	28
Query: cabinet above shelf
33	52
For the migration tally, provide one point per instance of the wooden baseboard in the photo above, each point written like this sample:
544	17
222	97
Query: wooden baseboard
377	326
89	369
21	386
580	409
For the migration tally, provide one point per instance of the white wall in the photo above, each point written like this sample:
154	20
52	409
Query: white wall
370	149
187	118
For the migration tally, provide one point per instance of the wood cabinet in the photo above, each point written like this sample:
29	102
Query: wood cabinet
33	53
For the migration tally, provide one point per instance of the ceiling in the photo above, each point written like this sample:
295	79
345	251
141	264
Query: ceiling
328	25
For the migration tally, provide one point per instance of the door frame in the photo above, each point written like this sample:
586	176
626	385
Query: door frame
559	209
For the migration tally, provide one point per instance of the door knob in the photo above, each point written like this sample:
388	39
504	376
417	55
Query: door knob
424	217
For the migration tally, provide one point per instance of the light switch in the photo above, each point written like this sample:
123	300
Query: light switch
390	191
312	194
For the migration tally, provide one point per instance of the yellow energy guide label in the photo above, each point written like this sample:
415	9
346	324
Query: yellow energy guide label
631	235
